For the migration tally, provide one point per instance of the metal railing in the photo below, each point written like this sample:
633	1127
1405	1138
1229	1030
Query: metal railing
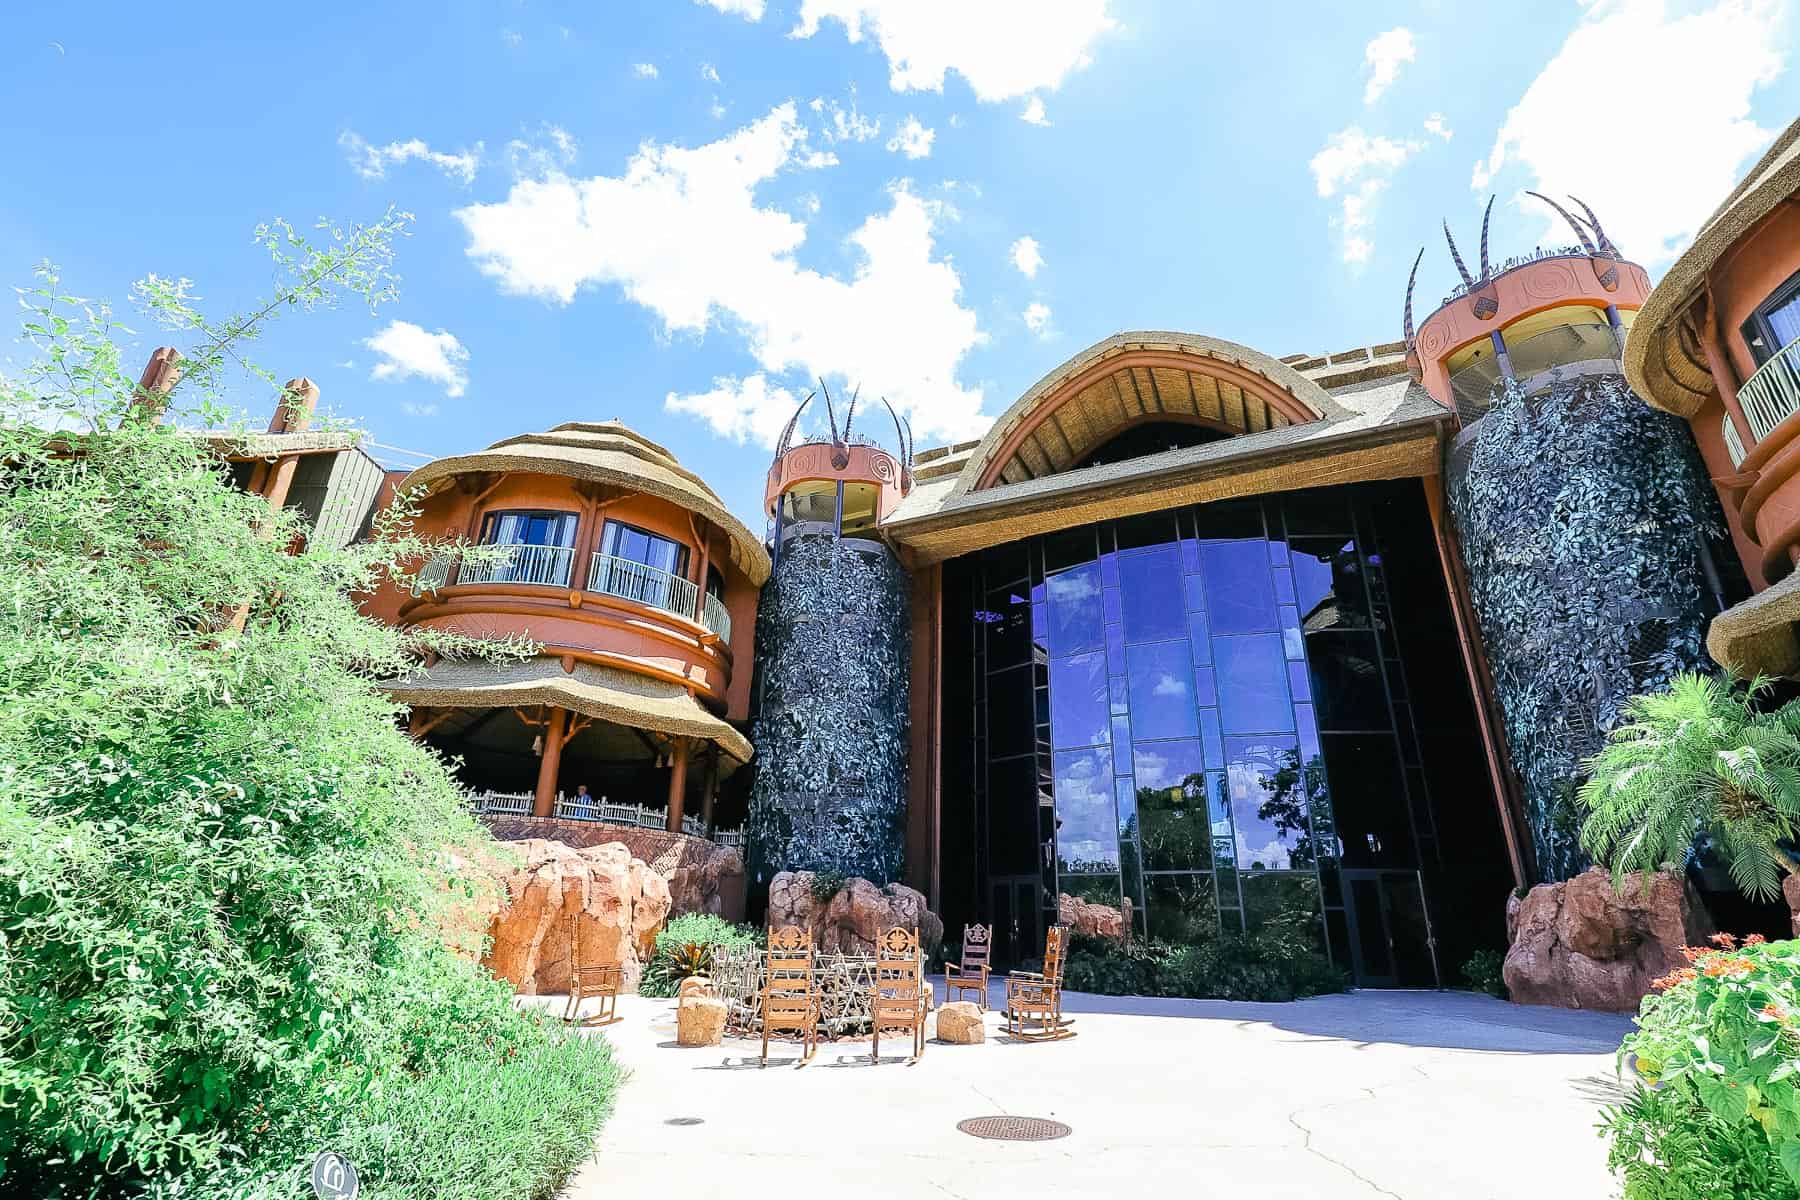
513	803
574	808
1772	395
433	575
547	566
714	616
628	580
1734	445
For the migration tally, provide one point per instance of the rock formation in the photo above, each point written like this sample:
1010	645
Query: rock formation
1579	944
959	1022
613	903
699	1015
707	879
1094	920
853	919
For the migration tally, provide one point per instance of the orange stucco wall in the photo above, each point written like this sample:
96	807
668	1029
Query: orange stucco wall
597	628
1760	262
1706	425
867	464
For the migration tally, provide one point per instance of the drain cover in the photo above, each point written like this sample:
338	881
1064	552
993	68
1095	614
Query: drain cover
1014	1129
685	1121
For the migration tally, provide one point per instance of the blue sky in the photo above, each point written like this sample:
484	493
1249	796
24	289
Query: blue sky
677	213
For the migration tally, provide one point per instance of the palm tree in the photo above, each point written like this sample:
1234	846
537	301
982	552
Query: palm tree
1698	757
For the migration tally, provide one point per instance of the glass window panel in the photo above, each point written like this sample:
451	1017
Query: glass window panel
1012	717
1231	519
1109	571
1005	564
1195	589
1291	644
1162	690
1040	623
1101	890
1078	700
1308	729
1329	584
1268	803
1339	931
1200	637
1116	688
1252	675
1150	529
1087	833
1074	608
1111	606
1368	801
1125	805
1280	893
1121	727
1068	548
1239	595
1316	512
1115	648
1131	879
1190	555
1206	687
1284	585
1346	681
1012	817
1299	681
1151	586
1180	908
1007	618
1210	736
1171	805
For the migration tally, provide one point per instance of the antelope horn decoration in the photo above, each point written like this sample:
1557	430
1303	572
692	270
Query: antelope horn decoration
909	442
899	432
1406	322
1486	271
1461	269
851	415
1587	243
830	411
787	433
1606	243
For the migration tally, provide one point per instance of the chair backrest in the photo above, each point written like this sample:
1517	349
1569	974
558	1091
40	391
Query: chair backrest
790	959
977	941
899	967
1053	954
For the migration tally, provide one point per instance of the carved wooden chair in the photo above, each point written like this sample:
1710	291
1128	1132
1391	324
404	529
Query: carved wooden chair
971	975
1034	998
600	981
790	996
898	1001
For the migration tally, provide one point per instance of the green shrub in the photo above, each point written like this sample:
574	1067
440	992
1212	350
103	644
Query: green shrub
826	884
684	947
1720	1046
1483	973
1280	961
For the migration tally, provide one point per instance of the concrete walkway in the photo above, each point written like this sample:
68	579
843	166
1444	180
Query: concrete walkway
1414	1095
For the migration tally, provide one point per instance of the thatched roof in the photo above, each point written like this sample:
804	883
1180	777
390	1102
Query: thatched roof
1757	636
605	693
610	453
1655	364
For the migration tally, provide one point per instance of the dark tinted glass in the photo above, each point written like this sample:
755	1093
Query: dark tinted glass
1073	610
1230	519
1154	601
1368	803
1240	597
1268	803
1329	585
1251	674
1346	681
1162	690
1086	834
1012	717
1005	564
1008	621
1069	548
1316	512
1012	820
1151	529
1078	703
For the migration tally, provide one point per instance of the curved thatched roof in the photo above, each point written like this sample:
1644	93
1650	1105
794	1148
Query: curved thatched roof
611	453
605	693
1181	376
1656	365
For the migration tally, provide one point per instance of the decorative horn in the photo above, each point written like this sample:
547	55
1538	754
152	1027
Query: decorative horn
787	433
1461	269
899	432
1406	322
1606	243
851	415
1487	212
1587	243
830	411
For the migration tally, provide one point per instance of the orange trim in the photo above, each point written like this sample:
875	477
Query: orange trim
1249	381
517	599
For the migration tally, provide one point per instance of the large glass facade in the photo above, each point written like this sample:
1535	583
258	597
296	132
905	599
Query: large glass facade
1200	717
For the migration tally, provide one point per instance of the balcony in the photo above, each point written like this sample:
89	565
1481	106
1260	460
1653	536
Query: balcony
545	566
1772	395
571	808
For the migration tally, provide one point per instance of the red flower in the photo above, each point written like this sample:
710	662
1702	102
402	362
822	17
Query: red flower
1755	939
1724	941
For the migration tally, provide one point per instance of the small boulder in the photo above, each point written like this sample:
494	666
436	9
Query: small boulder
959	1023
700	1021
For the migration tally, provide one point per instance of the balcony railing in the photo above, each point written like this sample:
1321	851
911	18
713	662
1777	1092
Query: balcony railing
547	566
715	618
433	575
1772	395
572	808
630	580
1734	445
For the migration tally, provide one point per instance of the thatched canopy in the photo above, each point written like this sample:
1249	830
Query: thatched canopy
606	452
618	697
1659	366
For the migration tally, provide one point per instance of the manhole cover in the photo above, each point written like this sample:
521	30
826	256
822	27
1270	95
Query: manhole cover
685	1121
1014	1129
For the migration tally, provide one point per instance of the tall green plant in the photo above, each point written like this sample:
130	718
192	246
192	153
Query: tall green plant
221	860
1699	757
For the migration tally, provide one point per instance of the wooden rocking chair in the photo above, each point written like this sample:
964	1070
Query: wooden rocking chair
971	975
599	981
898	1002
1034	998
790	996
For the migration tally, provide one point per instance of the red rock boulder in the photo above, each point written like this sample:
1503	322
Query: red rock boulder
852	920
1094	920
601	895
708	879
1580	944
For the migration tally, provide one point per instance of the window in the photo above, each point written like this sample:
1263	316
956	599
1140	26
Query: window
636	564
546	542
641	546
528	529
1775	323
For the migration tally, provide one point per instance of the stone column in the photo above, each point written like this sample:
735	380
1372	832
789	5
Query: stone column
677	781
544	803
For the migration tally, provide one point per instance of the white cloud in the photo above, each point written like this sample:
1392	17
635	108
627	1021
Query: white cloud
847	124
512	38
1037	318
1357	166
418	410
1004	48
717	111
1700	71
1033	113
551	149
372	162
750	10
744	410
680	232
1385	55
1026	257
709	73
408	351
1437	127
912	139
645	70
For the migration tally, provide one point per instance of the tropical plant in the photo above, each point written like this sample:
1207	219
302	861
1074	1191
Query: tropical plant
223	865
1483	973
685	947
1699	757
1717	1051
1281	960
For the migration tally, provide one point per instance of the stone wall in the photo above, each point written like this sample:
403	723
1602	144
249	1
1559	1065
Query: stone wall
702	877
852	919
598	901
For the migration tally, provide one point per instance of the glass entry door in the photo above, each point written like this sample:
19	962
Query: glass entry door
1390	934
1016	918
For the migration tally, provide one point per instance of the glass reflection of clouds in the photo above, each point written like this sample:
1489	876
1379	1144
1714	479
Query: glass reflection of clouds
1078	700
1151	589
1162	690
1087	835
1268	801
1074	610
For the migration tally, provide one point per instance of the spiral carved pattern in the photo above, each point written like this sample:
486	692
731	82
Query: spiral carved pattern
1548	281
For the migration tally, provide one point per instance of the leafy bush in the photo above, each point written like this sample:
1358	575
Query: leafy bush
1718	1051
1483	973
1280	961
223	867
684	947
825	884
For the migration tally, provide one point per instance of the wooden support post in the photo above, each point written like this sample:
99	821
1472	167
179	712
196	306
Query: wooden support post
678	756
544	802
710	789
160	376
